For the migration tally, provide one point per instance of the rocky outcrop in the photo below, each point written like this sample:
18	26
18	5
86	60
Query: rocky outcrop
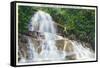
63	44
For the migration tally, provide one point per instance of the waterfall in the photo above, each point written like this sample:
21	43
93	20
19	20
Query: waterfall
32	54
46	27
43	23
81	51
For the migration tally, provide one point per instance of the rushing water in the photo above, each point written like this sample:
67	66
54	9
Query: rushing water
81	51
42	22
46	27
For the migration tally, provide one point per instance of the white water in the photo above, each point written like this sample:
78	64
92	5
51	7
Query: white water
42	22
46	26
82	52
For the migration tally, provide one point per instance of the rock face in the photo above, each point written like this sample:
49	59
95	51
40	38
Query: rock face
63	45
22	47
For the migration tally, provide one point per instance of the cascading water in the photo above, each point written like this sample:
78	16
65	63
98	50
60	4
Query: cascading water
32	54
82	52
42	22
46	27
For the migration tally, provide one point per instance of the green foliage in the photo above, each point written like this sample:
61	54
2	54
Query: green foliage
79	22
